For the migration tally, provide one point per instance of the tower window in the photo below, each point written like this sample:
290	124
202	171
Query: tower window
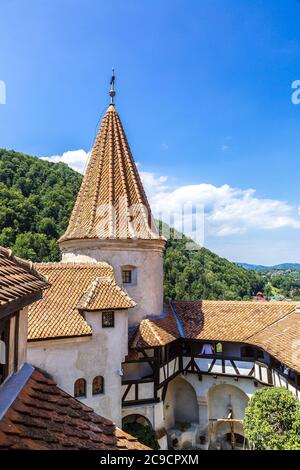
127	276
108	319
80	388
98	385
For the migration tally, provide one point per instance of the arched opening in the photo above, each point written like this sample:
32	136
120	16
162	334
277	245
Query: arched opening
140	427
180	405
80	388
226	410
181	414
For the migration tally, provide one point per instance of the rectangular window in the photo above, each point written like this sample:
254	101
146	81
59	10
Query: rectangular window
126	277
108	319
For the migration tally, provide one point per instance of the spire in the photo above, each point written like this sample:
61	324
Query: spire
111	202
112	92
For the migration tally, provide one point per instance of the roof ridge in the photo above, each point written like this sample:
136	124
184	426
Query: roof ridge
74	264
150	323
102	151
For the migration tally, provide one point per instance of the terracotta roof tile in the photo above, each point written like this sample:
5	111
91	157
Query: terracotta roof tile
273	326
18	278
282	340
28	425
111	179
228	320
73	286
156	332
104	293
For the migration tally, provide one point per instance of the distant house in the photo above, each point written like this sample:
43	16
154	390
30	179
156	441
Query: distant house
259	297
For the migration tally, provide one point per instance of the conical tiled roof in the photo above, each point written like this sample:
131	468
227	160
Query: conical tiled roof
111	202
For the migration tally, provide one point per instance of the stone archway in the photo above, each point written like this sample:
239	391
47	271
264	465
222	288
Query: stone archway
139	426
180	405
136	418
226	410
181	414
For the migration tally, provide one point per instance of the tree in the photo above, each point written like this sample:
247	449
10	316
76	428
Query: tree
272	420
144	434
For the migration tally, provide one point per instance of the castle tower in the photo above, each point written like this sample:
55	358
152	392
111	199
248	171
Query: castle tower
112	221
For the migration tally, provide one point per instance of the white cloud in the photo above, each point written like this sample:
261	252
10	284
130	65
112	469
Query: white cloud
153	184
227	211
76	159
225	147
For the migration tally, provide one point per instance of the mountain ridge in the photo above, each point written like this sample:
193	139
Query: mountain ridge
277	267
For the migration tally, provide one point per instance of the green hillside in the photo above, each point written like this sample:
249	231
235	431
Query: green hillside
36	199
201	274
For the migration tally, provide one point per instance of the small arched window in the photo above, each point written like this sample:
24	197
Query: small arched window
98	385
219	348
80	388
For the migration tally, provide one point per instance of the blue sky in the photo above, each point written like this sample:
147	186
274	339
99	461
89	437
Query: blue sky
203	90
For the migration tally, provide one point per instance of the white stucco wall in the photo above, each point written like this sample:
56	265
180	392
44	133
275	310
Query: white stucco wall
145	255
102	354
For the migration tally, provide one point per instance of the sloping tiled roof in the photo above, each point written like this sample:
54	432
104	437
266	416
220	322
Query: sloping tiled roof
282	340
43	417
273	326
228	320
57	314
104	293
155	332
18	278
111	179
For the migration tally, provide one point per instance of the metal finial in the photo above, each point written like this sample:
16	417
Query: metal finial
112	92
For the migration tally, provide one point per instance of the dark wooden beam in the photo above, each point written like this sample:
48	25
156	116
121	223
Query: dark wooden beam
16	305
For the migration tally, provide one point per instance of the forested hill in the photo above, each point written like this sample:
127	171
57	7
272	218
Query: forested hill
201	274
36	199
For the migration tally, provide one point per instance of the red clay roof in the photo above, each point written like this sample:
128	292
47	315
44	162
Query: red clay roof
18	278
74	286
111	180
43	417
273	326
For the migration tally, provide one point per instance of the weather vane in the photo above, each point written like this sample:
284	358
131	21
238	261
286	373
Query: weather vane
112	92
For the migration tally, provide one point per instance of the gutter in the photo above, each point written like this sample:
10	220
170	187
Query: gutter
178	322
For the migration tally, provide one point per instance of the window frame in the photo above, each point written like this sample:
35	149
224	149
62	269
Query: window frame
82	381
126	272
108	312
101	388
